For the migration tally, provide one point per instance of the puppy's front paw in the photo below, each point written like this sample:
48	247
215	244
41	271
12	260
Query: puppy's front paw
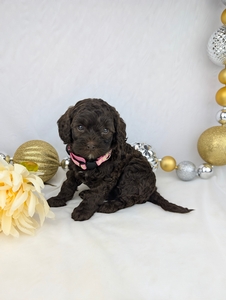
56	202
81	213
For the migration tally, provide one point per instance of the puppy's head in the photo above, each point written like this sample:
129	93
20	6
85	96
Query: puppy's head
91	128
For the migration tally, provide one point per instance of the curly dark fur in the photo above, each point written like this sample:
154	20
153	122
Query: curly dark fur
91	128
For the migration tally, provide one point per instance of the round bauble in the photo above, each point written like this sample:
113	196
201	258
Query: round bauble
168	163
147	151
216	47
221	96
222	76
212	145
65	163
186	170
221	116
205	171
40	153
223	17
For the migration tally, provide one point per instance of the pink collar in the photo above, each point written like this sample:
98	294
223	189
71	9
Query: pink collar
88	165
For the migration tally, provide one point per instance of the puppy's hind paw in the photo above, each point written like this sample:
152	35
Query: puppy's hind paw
55	202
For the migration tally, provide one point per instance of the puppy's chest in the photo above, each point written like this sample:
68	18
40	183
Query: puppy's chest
91	178
108	172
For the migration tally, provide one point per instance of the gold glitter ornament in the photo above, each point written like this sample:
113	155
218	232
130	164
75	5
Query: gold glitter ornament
212	145
168	163
40	153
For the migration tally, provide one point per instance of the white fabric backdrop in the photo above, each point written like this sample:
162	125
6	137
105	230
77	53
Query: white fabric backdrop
148	59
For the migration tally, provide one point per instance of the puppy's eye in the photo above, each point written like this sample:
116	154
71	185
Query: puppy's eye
105	131
80	128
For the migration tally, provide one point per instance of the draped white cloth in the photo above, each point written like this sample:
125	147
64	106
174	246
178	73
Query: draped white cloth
140	252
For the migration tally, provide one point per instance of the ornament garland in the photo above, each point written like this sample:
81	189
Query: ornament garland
211	144
185	170
42	159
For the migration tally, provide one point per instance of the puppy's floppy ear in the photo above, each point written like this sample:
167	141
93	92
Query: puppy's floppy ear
119	138
64	125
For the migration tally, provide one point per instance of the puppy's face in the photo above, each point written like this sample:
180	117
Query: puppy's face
92	128
92	133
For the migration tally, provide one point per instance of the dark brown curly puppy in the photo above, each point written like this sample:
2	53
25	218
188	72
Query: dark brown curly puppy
118	175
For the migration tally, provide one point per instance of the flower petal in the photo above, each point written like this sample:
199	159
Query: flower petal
35	181
14	232
50	215
4	187
19	200
31	203
26	230
5	177
25	222
6	223
41	213
2	198
17	180
20	169
3	164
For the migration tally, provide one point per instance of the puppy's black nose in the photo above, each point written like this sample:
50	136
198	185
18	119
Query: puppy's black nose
90	146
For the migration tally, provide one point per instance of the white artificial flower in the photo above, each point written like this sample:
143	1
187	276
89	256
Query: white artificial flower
20	200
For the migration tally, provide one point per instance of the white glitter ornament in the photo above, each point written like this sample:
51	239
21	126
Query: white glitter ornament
216	47
186	170
147	151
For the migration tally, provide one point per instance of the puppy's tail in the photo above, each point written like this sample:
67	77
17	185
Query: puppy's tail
157	199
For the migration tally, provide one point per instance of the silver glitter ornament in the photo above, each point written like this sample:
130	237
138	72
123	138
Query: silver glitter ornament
221	116
205	171
216	47
186	170
147	151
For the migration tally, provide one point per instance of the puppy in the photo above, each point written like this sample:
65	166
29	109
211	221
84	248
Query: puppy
118	176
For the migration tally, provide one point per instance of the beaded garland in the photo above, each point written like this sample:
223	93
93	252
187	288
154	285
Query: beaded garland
212	142
185	170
